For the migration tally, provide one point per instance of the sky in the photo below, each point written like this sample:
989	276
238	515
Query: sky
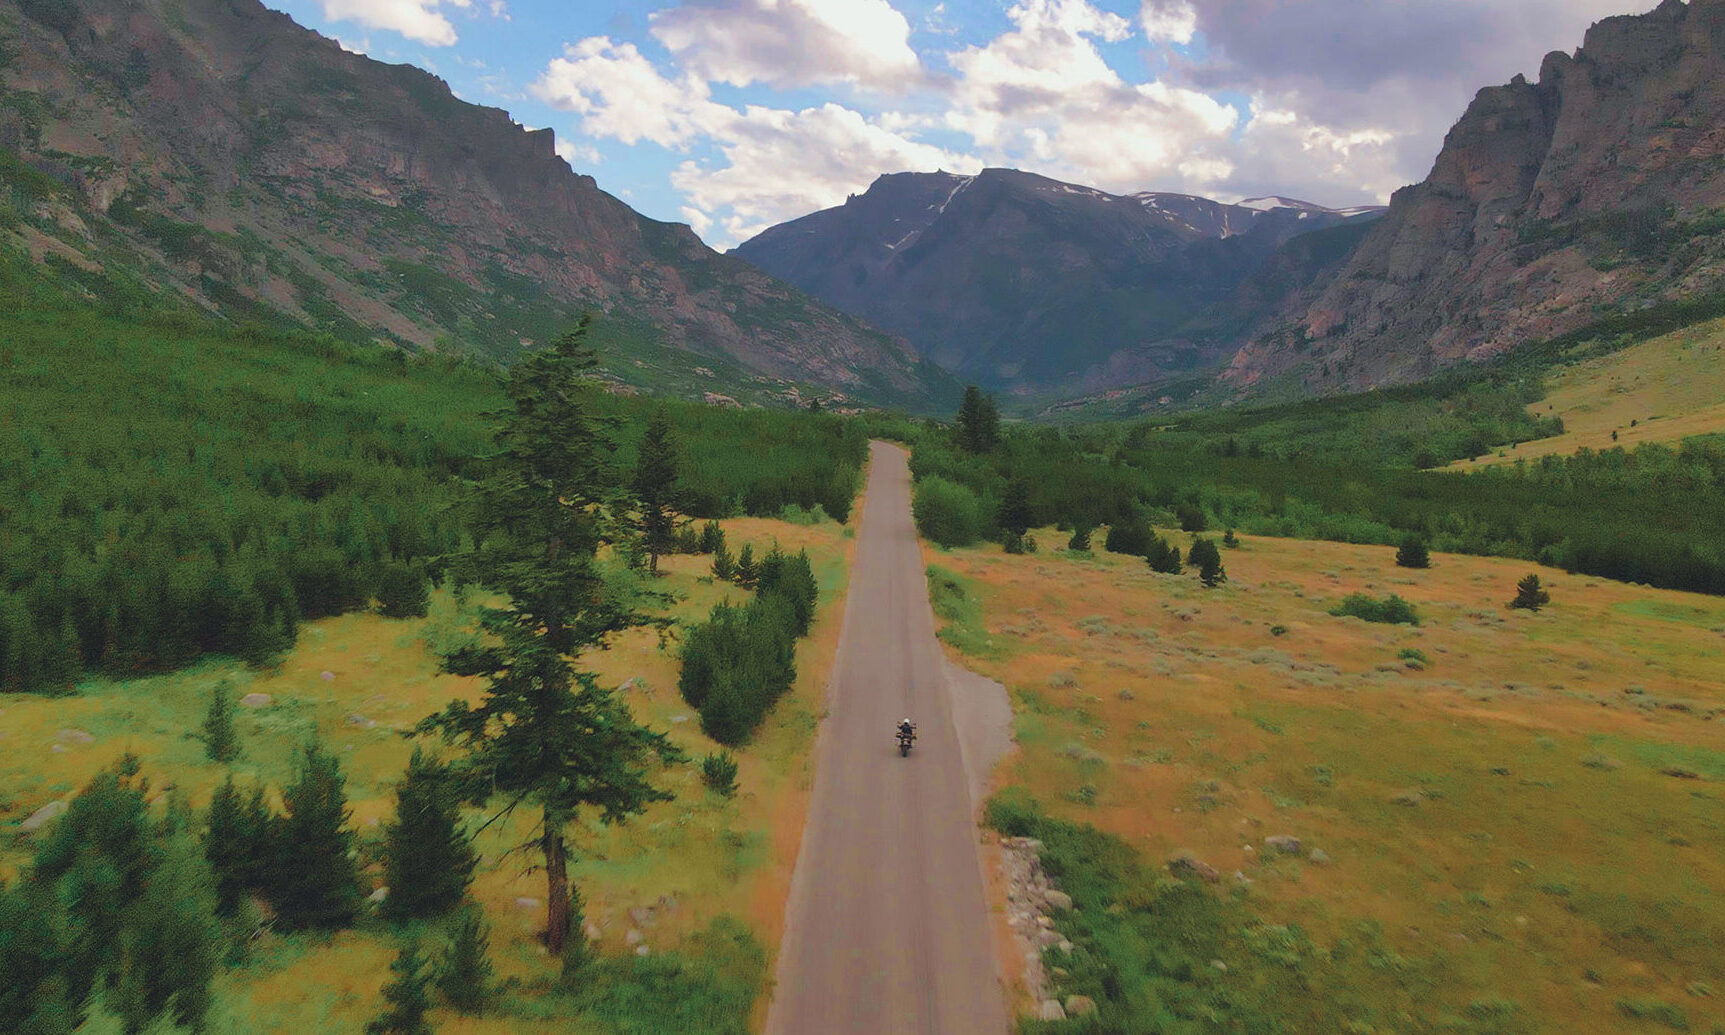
734	115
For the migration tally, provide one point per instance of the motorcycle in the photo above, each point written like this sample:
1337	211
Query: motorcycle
905	738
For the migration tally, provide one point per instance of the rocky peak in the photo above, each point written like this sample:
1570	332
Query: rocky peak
1549	200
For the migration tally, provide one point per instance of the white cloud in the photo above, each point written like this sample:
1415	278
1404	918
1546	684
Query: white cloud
778	165
619	94
761	165
1043	96
790	42
1172	20
418	20
571	153
422	21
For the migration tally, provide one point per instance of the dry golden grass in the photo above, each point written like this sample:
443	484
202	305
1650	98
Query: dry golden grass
1547	858
1670	387
357	681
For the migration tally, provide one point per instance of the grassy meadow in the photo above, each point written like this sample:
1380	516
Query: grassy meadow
357	681
1518	818
1662	390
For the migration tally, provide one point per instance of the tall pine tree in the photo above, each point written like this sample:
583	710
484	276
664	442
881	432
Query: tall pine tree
655	488
978	422
313	880
546	734
427	858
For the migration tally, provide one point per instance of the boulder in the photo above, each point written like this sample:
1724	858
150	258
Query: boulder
1190	866
1080	1006
256	700
43	816
1284	843
76	736
1050	1010
378	896
1059	899
633	938
526	902
1320	857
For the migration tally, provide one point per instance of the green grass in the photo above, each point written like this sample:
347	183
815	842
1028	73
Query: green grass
955	604
1146	949
710	987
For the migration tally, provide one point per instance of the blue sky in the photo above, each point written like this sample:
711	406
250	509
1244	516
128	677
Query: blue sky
732	115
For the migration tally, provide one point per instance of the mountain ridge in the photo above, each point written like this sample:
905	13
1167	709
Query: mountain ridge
241	163
1028	283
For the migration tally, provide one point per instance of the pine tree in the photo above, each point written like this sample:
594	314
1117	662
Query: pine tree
656	489
313	880
1015	515
1208	560
427	857
745	573
546	733
1080	541
1230	540
236	843
465	979
402	591
1529	595
712	537
978	423
221	740
1162	557
1413	553
408	996
724	568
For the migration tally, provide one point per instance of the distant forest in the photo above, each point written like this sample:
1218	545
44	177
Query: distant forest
170	487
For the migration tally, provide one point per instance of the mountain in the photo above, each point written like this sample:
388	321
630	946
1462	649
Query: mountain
1026	283
1599	189
216	153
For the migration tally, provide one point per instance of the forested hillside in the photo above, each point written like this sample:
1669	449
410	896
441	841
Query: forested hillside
171	487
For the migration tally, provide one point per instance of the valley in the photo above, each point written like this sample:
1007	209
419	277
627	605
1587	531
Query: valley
436	595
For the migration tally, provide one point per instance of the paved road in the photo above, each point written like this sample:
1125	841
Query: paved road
887	928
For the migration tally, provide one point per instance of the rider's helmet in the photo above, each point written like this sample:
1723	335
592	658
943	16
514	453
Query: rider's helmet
905	723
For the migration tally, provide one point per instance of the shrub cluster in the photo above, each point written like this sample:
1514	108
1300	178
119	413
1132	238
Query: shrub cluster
743	658
1391	610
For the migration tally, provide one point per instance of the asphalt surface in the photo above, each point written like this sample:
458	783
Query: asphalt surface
887	927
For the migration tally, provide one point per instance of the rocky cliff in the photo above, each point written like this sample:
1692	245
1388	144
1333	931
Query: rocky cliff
249	166
1029	284
1597	189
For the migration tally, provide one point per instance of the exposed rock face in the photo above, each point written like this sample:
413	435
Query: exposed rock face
251	165
1600	186
1026	283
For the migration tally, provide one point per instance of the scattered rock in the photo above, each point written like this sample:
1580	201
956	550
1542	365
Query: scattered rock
377	896
1320	857
76	736
1190	866
1080	1006
1050	1011
1218	965
668	903
58	749
256	700
327	676
1283	843
1064	946
679	718
527	903
1241	879
593	932
642	915
1408	798
43	816
1680	772
642	950
1058	899
361	721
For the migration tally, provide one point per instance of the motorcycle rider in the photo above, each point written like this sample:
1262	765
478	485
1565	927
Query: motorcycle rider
907	730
